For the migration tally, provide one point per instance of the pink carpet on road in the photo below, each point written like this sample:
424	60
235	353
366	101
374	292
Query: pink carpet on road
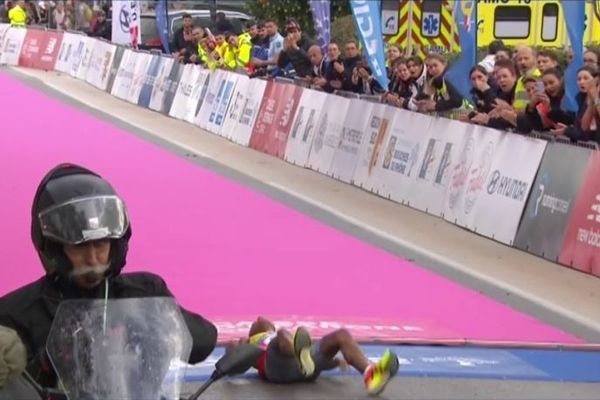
226	251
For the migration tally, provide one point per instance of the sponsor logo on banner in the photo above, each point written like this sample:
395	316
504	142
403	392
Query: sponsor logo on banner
430	171
542	200
50	48
501	185
460	175
401	155
544	225
478	176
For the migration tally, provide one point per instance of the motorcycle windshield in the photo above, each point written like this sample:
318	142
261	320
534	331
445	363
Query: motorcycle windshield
127	349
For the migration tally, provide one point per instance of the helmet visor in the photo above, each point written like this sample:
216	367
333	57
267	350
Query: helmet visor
84	220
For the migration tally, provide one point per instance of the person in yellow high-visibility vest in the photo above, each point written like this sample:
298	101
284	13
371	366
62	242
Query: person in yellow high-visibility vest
17	15
526	62
238	52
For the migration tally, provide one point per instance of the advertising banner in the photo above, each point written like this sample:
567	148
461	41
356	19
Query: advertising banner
304	125
198	92
236	106
148	86
50	50
346	156
221	103
544	223
254	94
40	49
114	68
139	76
469	175
328	133
439	154
101	63
184	90
400	157
124	75
3	29
32	46
376	132
126	30
11	46
86	57
581	247
171	85
274	141
265	120
507	187
159	89
65	54
214	89
78	55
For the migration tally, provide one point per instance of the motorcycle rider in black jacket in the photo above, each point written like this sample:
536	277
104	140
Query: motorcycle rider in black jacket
81	230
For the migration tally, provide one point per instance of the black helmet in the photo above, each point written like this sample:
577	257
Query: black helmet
74	205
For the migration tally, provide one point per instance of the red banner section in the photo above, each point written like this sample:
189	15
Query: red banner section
275	117
49	51
32	46
581	247
40	49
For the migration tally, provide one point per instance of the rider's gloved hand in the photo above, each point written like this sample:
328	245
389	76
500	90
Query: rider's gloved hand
13	355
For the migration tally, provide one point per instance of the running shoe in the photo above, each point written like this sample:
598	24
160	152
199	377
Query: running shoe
379	374
302	349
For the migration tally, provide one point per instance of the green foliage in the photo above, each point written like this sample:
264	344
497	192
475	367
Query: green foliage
281	10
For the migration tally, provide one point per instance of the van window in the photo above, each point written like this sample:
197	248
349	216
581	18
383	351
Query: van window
549	22
512	22
431	18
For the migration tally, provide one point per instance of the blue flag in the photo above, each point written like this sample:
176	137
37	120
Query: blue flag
367	18
574	12
465	18
321	11
162	24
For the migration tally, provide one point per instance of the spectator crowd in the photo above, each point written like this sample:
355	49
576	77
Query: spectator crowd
517	90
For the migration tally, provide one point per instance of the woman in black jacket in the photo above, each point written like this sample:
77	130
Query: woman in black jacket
502	115
442	95
587	122
400	92
545	111
364	82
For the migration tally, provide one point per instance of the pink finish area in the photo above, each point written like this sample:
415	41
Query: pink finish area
227	251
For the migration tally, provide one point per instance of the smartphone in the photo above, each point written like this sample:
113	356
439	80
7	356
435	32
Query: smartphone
539	85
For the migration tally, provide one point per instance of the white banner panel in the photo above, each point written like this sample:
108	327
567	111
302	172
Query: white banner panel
469	174
3	29
99	70
184	90
11	46
236	107
254	93
86	56
126	22
215	83
346	156
67	49
198	92
503	197
303	128
76	58
221	103
160	84
438	156
328	133
124	75
376	133
139	77
397	161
